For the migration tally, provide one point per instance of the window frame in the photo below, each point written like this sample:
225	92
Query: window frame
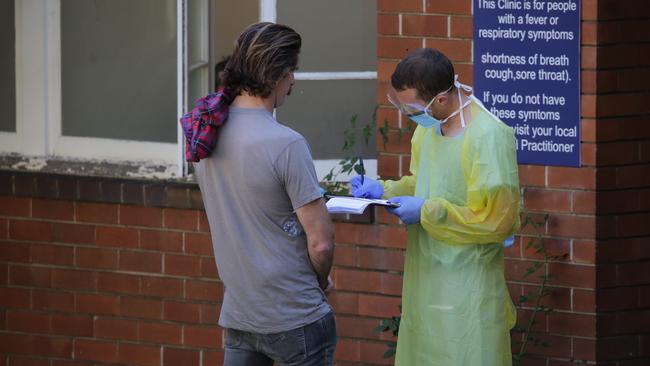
269	13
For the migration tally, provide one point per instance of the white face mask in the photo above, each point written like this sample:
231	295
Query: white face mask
426	120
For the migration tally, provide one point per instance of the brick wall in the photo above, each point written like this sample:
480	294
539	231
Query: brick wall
598	213
619	63
87	283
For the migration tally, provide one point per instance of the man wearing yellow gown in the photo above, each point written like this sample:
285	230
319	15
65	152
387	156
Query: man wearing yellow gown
460	202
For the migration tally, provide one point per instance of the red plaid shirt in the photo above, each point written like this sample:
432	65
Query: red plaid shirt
201	126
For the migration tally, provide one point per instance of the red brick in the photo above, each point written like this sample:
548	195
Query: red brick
581	178
72	279
387	116
119	283
198	244
515	271
400	6
557	346
4	228
532	175
455	49
15	252
113	328
97	304
389	47
392	236
572	226
209	268
462	7
552	247
587	154
583	251
72	325
547	200
202	336
461	27
612	348
30	276
160	333
211	358
30	230
584	301
139	355
141	216
121	237
347	350
379	306
618	298
181	312
141	308
584	349
356	327
565	274
387	24
45	346
572	324
166	241
96	212
52	300
210	314
388	165
140	261
357	281
183	265
204	226
633	225
179	356
26	361
4	273
345	256
52	209
15	206
95	351
633	176
374	352
73	233
181	219
14	298
424	25
161	287
204	290
52	254
95	257
635	273
584	202
28	321
344	302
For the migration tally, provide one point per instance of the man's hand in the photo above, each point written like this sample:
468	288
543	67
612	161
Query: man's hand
329	287
409	209
370	188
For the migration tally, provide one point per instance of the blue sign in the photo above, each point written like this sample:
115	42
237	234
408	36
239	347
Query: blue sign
527	73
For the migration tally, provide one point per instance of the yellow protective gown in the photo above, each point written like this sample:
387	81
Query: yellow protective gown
456	310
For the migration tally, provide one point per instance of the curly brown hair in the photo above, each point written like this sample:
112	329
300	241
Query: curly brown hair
264	54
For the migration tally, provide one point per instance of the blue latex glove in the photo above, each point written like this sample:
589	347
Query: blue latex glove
369	189
509	241
409	209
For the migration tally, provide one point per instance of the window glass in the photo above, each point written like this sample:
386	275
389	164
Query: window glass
230	18
337	35
321	111
198	50
7	67
118	60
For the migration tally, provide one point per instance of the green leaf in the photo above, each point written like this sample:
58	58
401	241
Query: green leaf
359	169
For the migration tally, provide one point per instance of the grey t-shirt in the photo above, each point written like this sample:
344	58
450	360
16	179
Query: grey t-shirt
259	174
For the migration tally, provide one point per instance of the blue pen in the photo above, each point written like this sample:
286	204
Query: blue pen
363	170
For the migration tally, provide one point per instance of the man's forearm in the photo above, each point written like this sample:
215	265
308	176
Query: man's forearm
321	260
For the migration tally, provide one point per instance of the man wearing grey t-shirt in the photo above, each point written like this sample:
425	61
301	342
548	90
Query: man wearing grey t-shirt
273	238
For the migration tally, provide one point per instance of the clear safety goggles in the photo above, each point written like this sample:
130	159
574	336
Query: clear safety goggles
411	109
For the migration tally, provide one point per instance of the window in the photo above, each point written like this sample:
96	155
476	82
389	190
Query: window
108	79
336	78
7	67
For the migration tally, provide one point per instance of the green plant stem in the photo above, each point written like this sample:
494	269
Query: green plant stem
536	308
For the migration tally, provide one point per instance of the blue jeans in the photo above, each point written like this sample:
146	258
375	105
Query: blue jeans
311	345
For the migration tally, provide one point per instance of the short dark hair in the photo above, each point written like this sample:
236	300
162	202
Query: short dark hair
427	70
264	53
